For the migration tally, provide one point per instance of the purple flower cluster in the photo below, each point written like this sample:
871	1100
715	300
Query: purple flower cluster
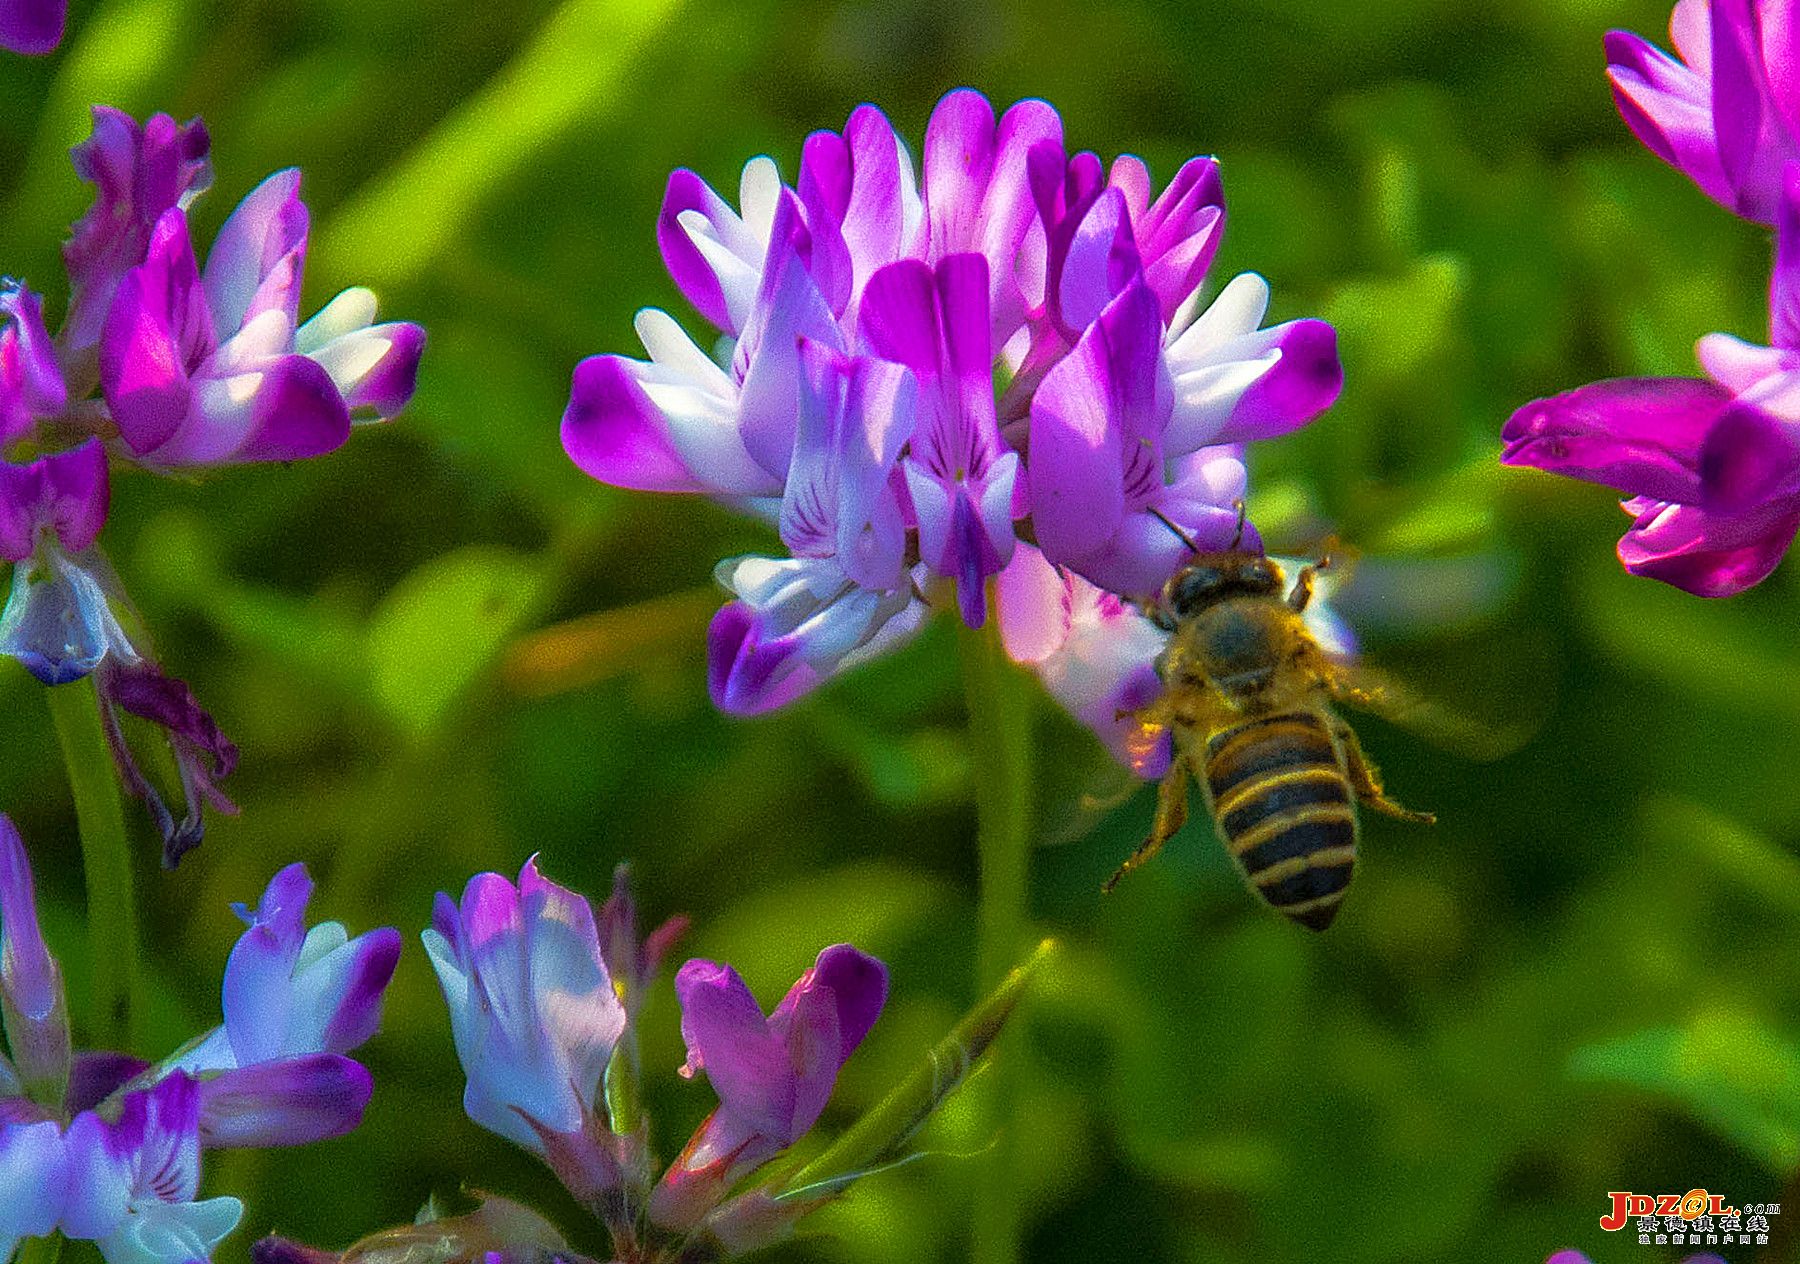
171	367
106	1148
1710	466
543	997
927	377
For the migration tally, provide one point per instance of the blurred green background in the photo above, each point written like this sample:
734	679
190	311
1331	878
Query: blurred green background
1582	980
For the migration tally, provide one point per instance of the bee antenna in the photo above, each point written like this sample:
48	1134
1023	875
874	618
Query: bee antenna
1237	537
1183	536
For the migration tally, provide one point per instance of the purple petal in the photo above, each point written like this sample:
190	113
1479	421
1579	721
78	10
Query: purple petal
1784	284
614	433
693	274
34	1172
158	331
1709	555
341	993
1641	436
32	27
256	261
858	984
31	381
374	367
138	174
31	988
1738	100
579	1008
1101	258
67	493
96	1076
1095	423
863	184
287	409
728	1037
789	306
980	197
855	415
1669	108
1304	381
746	677
295	1101
1179	233
1749	458
258	991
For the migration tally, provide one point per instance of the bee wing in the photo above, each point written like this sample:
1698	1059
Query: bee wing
1369	689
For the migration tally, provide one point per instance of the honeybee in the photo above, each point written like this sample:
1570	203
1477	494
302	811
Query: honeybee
1247	696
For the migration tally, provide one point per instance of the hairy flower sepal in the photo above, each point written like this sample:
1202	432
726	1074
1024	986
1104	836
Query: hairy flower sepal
768	1212
773	1075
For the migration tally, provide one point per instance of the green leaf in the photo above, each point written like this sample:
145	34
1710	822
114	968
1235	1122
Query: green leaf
442	626
1726	1067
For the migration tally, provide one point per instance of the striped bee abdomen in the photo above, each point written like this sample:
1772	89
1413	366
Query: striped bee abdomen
1283	807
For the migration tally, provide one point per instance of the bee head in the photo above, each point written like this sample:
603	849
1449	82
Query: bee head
1214	577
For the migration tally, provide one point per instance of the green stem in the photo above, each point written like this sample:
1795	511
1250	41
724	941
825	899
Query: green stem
1000	744
106	859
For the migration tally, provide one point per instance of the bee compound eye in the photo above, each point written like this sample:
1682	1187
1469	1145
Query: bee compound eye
1193	588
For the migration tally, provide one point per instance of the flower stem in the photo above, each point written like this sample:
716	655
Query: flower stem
1000	744
106	859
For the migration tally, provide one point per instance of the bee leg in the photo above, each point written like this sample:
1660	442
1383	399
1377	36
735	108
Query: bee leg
1302	596
1365	780
1171	815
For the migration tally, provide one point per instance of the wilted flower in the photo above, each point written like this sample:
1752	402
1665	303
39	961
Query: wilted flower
1711	467
32	27
106	1147
1726	114
773	1075
195	370
868	317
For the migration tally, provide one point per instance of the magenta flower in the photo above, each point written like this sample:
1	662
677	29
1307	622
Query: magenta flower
1710	468
213	369
195	369
138	173
773	1075
33	27
535	1018
1726	113
997	266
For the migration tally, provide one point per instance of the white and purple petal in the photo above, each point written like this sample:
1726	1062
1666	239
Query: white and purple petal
288	1102
34	1175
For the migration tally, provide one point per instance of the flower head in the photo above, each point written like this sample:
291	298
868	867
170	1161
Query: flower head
1726	111
773	1075
195	368
534	1014
919	371
1710	467
134	1184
